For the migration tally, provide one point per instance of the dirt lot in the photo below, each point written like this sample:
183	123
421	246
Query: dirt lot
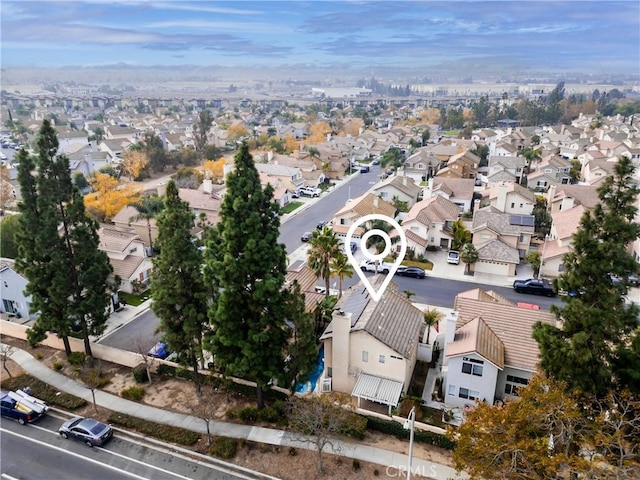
176	394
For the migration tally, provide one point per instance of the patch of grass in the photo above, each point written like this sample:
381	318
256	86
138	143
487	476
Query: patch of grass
290	207
133	393
134	300
168	433
426	265
44	392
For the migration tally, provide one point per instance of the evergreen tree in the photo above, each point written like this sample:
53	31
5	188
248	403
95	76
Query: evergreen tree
58	248
596	321
301	351
177	288
245	267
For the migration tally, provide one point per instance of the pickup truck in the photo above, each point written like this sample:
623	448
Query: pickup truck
534	286
310	191
370	266
21	406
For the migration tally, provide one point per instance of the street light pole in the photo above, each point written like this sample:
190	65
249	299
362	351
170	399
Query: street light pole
410	425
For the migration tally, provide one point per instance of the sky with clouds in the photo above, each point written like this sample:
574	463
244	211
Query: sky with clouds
579	36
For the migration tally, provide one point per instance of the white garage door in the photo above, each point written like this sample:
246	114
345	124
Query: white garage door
492	267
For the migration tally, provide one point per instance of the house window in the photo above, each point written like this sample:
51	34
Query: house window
513	204
561	267
133	250
452	390
6	285
468	394
381	358
343	221
513	384
384	194
414	229
329	372
365	356
471	366
522	238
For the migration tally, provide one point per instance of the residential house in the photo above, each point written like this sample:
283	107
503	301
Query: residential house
291	177
307	279
401	187
114	148
506	149
370	348
501	239
458	190
12	286
461	165
564	224
127	255
429	223
564	197
595	171
357	208
422	165
506	169
113	132
509	197
489	350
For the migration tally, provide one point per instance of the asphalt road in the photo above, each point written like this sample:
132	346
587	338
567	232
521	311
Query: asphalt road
135	335
37	452
325	208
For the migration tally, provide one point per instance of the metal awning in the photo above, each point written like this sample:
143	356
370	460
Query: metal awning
378	389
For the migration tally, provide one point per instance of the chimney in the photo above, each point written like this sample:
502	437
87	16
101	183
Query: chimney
450	331
340	351
375	201
404	177
476	204
551	193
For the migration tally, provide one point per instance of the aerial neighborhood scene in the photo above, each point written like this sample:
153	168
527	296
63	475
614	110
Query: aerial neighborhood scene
268	240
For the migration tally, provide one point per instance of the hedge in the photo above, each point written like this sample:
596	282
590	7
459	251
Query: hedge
168	433
396	429
223	447
44	392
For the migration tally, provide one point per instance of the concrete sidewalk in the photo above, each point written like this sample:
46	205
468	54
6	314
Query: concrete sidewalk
393	461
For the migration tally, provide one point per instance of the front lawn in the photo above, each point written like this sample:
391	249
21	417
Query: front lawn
426	265
134	300
290	207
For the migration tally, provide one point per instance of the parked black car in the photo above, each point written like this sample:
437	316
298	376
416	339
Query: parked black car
414	272
534	286
89	431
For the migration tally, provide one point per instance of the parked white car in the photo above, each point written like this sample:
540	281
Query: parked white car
453	257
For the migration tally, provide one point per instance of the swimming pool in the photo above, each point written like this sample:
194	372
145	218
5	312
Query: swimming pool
310	385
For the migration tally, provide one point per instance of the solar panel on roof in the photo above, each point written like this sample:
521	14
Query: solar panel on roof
522	220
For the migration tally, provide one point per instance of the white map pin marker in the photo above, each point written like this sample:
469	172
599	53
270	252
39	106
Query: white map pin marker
376	295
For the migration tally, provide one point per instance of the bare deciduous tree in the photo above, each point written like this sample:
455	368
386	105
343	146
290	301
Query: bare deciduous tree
5	353
317	420
204	406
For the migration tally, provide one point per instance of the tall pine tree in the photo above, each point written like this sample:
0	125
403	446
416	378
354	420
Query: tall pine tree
597	322
177	288
58	248
246	265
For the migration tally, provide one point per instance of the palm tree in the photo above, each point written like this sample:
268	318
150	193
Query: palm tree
147	207
431	317
341	267
469	255
324	247
531	154
461	235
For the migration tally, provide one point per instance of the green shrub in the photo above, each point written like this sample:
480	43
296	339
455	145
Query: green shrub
38	356
223	447
248	415
140	374
168	370
168	433
355	426
269	414
76	359
44	392
57	366
397	430
133	393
